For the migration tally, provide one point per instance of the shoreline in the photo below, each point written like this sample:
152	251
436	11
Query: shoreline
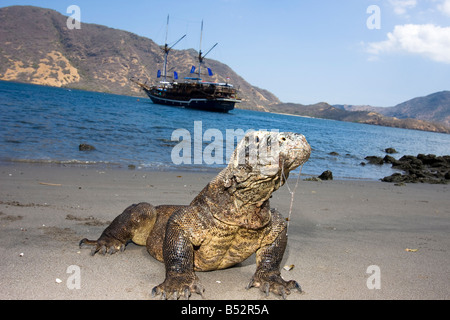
189	168
338	229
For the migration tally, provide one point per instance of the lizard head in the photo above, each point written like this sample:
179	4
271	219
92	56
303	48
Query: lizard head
259	166
267	153
262	160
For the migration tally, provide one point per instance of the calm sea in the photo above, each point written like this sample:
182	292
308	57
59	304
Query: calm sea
46	125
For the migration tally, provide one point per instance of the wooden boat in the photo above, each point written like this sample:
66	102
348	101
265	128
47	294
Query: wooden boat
191	92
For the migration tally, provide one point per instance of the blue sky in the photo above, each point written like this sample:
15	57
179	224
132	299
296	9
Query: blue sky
376	52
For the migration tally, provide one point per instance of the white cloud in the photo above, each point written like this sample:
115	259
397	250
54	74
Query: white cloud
401	6
426	40
444	7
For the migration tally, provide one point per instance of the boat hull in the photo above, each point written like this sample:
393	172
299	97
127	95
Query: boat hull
217	104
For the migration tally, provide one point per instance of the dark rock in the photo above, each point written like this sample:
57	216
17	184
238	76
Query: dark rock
407	158
427	158
402	166
326	175
396	177
423	168
333	153
389	159
408	162
374	160
390	150
85	147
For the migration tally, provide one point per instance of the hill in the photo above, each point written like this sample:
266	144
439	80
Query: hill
37	47
325	111
434	108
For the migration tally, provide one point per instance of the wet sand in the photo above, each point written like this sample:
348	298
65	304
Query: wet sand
338	230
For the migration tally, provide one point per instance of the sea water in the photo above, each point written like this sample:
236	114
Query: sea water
41	124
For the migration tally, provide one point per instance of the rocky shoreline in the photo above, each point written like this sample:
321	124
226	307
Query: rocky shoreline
423	168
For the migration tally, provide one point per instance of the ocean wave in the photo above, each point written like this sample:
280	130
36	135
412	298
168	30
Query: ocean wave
62	162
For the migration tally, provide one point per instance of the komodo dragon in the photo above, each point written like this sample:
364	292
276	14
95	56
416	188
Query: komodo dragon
228	221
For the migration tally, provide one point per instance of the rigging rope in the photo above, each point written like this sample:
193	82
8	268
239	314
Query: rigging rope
292	192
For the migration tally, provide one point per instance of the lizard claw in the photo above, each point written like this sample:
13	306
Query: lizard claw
273	282
266	288
103	245
283	293
178	286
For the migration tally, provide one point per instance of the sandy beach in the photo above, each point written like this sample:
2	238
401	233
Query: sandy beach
339	230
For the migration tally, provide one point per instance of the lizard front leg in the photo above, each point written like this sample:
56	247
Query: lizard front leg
133	224
178	253
267	276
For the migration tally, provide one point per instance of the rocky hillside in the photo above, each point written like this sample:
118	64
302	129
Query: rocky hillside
37	47
434	108
325	111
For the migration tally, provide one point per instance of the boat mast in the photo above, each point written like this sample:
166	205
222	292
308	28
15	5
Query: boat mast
200	59
167	49
200	56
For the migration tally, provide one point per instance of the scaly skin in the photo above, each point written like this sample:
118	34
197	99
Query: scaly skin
228	221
